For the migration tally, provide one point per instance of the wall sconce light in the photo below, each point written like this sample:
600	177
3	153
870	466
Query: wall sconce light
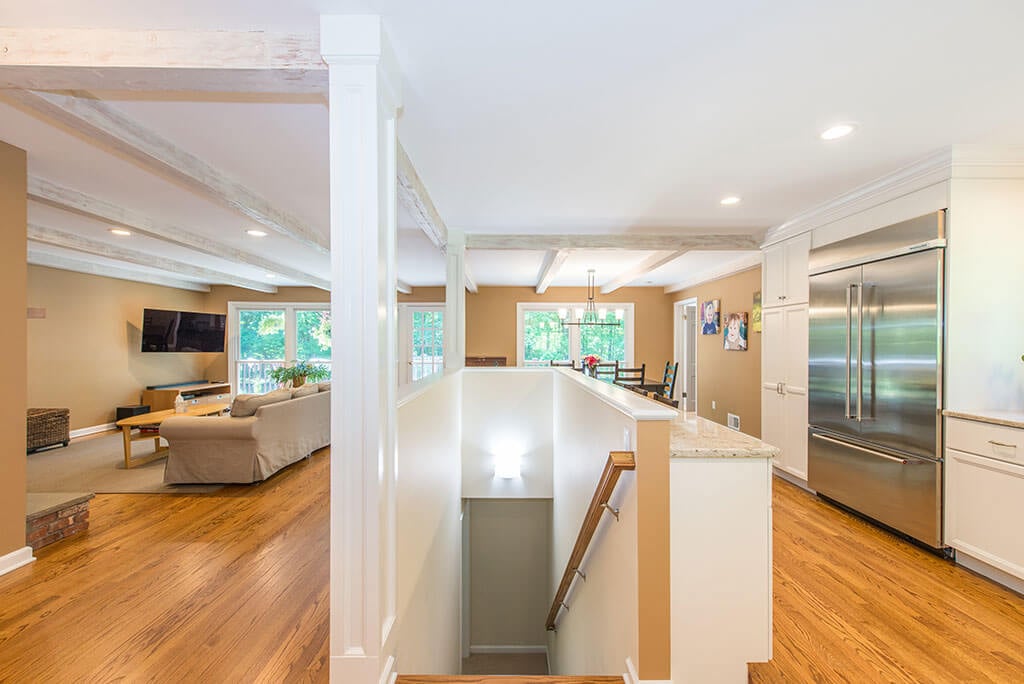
507	465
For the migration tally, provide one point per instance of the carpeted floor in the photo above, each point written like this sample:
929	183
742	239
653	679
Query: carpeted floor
96	464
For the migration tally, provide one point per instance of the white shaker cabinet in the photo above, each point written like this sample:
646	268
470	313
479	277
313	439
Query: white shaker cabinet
785	272
985	494
784	386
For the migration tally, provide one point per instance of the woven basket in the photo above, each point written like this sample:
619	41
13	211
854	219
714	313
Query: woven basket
47	427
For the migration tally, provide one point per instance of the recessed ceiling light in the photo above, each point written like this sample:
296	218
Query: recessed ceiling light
271	275
256	232
730	200
837	131
120	231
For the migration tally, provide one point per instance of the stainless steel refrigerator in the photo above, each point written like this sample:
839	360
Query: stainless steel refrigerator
875	375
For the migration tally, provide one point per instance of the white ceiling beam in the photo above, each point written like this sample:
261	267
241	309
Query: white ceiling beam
470	283
652	263
65	263
553	262
108	127
744	264
414	197
166	60
403	287
541	242
66	199
58	238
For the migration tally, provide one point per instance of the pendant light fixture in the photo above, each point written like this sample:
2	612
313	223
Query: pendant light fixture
590	314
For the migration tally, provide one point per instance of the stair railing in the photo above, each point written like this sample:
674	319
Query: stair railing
618	461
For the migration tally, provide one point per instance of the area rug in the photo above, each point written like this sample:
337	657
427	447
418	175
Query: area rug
96	464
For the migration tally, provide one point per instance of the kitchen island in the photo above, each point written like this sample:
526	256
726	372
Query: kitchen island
721	550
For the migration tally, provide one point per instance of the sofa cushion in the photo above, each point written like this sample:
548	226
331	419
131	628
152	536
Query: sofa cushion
324	386
305	390
246	404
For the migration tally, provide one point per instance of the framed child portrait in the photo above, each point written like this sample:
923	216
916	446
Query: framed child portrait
710	318
735	328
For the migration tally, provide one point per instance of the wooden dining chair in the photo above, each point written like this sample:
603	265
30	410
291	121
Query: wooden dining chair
606	371
630	376
563	364
668	381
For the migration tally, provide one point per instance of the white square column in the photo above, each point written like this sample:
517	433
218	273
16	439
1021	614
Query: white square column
363	97
455	302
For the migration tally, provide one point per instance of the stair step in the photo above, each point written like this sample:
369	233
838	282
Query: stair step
506	679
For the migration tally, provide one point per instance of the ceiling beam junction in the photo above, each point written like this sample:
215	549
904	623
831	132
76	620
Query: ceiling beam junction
78	243
649	264
107	126
553	262
635	242
403	287
66	263
66	199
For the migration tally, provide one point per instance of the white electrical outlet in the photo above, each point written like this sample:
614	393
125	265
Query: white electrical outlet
713	406
733	421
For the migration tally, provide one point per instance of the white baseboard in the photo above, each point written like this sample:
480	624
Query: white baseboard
16	559
630	676
508	649
92	430
991	572
792	479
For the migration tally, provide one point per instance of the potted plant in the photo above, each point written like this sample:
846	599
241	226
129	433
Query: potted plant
299	372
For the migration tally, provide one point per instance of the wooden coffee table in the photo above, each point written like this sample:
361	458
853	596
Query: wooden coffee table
155	418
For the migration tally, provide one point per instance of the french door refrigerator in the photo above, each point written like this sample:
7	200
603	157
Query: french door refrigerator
875	375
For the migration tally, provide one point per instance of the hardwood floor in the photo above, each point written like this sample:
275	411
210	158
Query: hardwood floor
232	587
223	587
854	603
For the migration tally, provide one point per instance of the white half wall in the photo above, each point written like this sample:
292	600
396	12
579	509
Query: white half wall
426	638
599	632
507	411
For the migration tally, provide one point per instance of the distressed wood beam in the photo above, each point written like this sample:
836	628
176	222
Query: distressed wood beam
403	287
66	199
730	268
165	60
553	262
539	242
58	238
470	283
106	126
65	263
652	263
414	197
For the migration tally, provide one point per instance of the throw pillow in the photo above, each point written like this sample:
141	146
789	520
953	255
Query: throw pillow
305	390
246	404
324	386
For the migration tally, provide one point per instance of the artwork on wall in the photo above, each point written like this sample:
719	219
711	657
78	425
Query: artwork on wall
736	332
710	318
755	313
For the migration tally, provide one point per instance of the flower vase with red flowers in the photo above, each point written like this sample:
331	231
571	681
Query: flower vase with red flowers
590	364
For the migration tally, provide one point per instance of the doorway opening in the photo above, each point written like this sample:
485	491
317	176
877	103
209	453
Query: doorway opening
685	334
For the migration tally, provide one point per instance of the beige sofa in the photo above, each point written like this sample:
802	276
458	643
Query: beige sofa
232	449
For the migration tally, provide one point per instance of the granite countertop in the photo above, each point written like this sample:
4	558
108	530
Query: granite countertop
1014	419
695	437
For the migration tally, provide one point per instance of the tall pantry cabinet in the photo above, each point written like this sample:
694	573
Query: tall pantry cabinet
784	352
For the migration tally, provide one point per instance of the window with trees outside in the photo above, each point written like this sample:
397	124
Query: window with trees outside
541	337
267	336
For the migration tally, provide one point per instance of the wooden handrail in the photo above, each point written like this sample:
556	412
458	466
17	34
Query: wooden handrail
617	462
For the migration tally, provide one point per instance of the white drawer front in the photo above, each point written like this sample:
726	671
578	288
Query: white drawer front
985	439
984	507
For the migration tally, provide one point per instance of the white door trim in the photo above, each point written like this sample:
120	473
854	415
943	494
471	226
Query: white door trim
679	348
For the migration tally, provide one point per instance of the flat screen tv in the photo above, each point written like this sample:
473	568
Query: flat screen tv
182	331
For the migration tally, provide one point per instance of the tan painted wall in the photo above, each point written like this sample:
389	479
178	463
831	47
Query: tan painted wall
491	320
424	294
85	355
510	558
730	378
13	347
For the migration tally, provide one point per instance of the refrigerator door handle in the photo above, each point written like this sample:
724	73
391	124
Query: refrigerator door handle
849	312
872	452
860	350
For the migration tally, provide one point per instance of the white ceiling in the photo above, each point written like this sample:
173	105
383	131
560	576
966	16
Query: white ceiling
566	117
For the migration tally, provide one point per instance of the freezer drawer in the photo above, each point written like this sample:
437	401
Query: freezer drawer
900	491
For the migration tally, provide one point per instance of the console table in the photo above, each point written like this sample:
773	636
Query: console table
194	395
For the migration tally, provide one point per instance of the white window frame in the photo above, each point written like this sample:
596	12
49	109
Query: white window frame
405	312
574	340
290	344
